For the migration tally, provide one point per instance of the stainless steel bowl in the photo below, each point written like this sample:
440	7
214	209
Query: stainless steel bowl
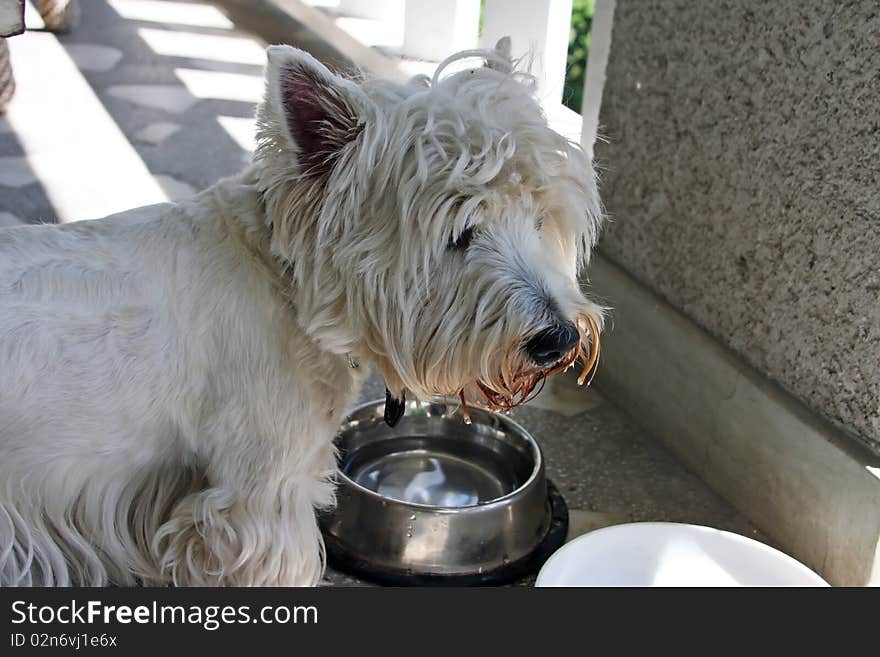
435	496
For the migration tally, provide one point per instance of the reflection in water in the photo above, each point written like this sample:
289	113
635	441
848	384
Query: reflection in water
424	478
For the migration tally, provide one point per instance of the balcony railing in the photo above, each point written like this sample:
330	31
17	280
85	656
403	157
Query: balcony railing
401	38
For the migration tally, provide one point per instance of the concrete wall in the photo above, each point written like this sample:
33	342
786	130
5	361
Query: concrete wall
741	173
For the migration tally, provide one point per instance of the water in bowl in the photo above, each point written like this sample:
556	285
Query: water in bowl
445	473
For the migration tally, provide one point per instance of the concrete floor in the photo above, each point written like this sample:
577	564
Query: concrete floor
141	103
167	99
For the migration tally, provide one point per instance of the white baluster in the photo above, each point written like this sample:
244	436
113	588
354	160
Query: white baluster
597	61
436	29
535	27
373	22
380	10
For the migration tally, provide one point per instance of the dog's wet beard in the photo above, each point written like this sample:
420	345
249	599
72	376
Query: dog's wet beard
518	385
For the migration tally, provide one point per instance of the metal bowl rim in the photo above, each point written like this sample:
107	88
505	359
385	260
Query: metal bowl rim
537	469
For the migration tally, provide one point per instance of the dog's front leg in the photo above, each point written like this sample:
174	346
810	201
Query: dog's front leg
254	526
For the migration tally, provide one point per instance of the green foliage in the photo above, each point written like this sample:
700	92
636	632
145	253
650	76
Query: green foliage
578	49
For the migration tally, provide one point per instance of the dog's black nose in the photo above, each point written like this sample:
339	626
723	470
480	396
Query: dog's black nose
551	345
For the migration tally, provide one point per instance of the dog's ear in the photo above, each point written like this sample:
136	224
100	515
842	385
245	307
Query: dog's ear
500	59
318	111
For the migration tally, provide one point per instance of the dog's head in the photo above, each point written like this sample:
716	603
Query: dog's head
436	229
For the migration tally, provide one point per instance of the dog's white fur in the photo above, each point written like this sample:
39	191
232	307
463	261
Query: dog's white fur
171	377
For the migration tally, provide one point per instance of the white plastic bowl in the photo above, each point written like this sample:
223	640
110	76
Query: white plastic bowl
671	554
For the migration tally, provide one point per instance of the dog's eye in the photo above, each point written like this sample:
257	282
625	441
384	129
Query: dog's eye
463	241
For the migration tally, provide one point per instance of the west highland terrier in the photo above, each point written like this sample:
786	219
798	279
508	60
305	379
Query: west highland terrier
172	377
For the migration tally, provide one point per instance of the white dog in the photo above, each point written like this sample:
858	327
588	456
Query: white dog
172	377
